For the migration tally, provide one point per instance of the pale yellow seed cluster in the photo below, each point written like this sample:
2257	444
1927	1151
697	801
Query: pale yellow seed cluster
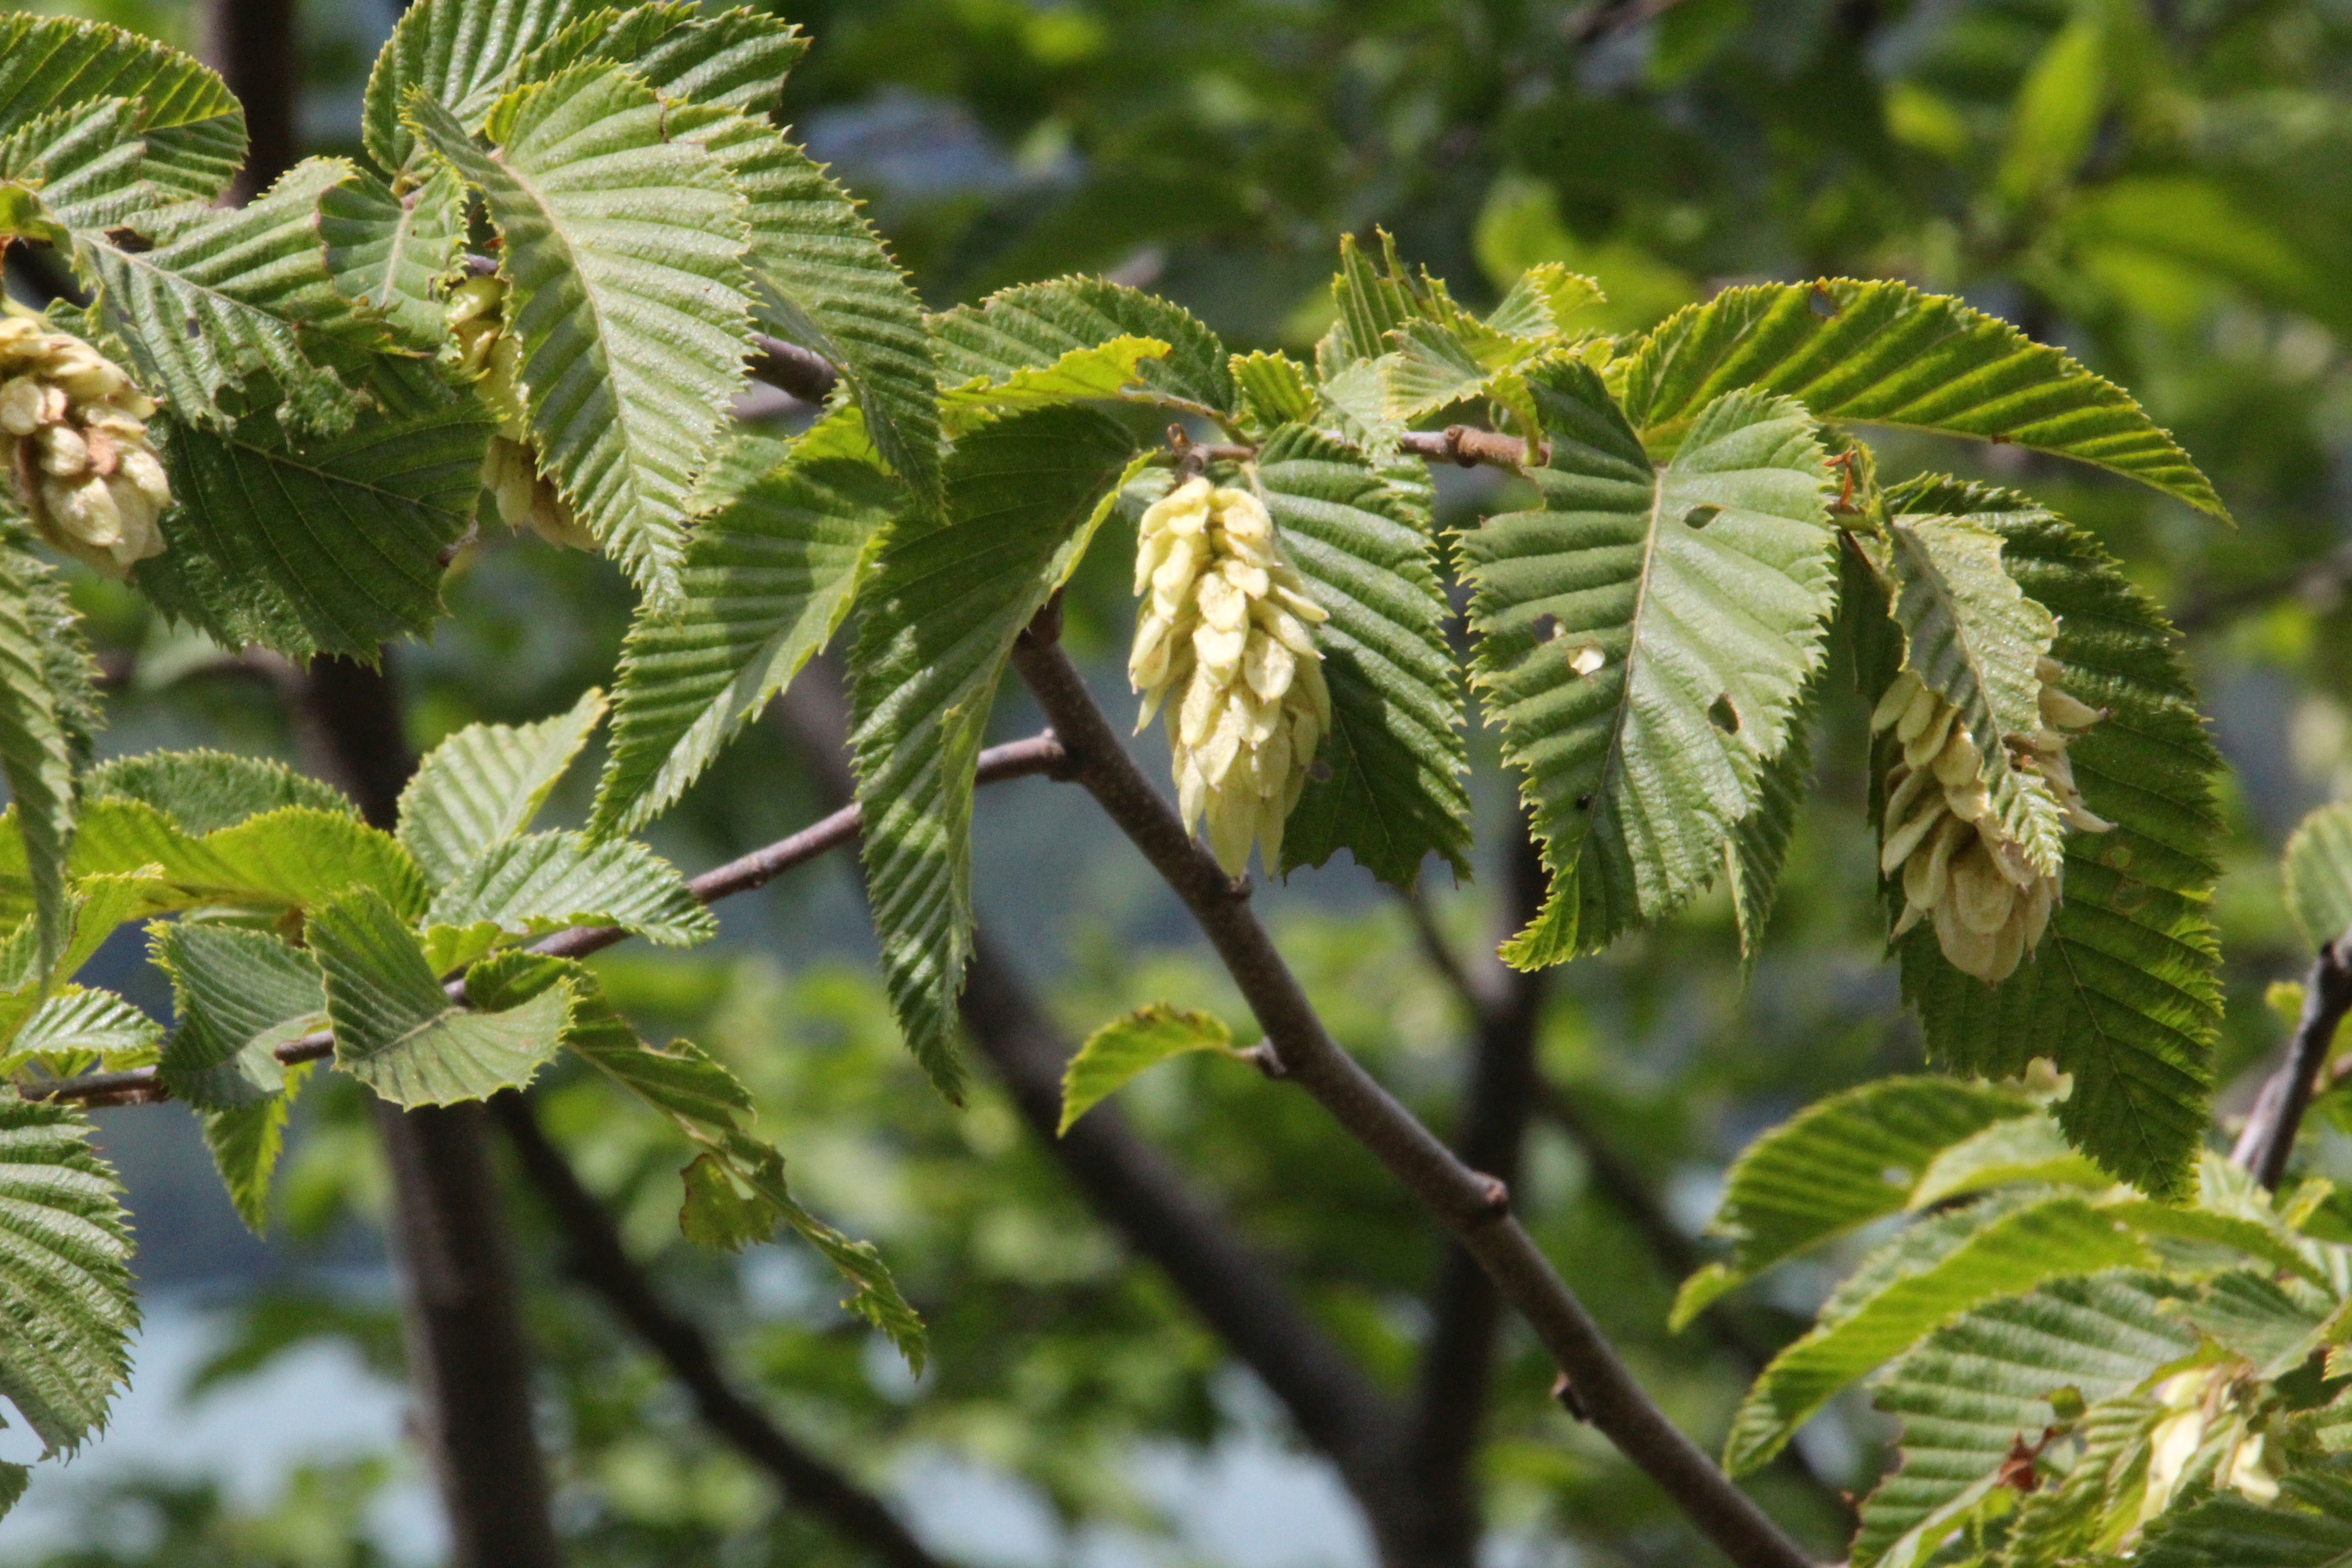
1961	867
2199	1405
1224	623
76	430
486	350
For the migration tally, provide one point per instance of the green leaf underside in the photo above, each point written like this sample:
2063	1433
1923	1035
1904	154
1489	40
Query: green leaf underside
2014	1253
1759	841
1884	353
2309	1527
1847	1160
485	784
253	280
736	1193
36	749
1638	767
735	59
397	1031
1967	1392
1109	371
1273	390
2319	874
1130	1045
324	544
1974	639
461	54
239	995
768	578
1033	326
385	251
76	1028
826	280
621	251
76	168
203	792
939	619
194	129
545	881
66	1312
1395	755
2122	992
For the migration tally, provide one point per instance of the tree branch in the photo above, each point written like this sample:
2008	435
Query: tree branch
598	1260
1475	1207
1139	1192
1457	1360
2269	1136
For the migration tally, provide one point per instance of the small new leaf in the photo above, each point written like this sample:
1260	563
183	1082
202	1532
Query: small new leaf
1128	1045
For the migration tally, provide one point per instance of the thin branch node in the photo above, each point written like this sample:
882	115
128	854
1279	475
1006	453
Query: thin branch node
1457	447
1565	1392
1496	1194
1267	1059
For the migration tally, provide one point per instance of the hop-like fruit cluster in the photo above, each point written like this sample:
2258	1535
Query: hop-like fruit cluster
2204	1422
76	429
1224	623
1962	866
488	353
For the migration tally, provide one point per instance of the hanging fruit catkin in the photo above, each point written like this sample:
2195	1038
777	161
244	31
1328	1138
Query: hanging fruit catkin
78	456
1224	627
1961	868
490	353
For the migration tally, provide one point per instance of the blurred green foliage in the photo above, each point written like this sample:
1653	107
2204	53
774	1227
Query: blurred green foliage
2165	186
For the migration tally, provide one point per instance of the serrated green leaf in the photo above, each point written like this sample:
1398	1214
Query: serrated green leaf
387	251
941	611
1130	1045
1374	299
1967	1392
203	792
2122	991
769	573
244	1144
622	252
1752	861
2309	1527
2100	1498
1106	371
66	1312
2023	1148
1274	391
396	1030
324	544
462	54
77	1028
1974	639
824	280
1395	756
1644	637
1033	326
485	784
212	299
735	1188
1884	353
194	129
2318	867
36	749
730	59
1839	1163
238	995
75	167
545	882
1546	298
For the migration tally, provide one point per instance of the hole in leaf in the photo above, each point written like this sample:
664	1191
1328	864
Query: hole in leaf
1319	771
1822	305
1585	803
1724	715
129	241
1701	515
1585	658
1547	627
